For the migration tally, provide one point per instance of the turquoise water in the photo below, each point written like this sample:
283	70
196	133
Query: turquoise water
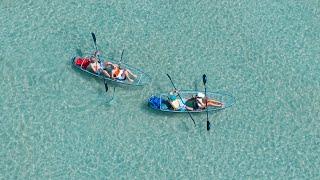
55	122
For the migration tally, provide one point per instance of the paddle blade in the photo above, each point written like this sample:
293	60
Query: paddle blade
204	79
121	55
169	77
94	37
106	86
208	125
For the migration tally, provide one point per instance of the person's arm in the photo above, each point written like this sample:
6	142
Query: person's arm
108	63
95	67
113	65
96	53
200	102
174	92
188	108
106	73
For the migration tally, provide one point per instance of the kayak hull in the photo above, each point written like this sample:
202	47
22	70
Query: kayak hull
227	99
142	79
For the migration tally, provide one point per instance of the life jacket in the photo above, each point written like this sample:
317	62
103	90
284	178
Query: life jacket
117	72
82	62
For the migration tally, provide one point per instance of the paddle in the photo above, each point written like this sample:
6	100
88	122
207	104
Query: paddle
204	79
94	40
121	55
114	89
121	58
95	45
106	85
180	98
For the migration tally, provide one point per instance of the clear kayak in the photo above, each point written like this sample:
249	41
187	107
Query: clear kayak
141	80
161	102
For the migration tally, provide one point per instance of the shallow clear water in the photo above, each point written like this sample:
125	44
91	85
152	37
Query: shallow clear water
55	122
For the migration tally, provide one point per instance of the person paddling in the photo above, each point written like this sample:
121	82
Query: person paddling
96	65
176	103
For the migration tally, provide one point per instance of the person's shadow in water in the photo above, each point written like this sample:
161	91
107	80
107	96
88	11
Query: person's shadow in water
79	52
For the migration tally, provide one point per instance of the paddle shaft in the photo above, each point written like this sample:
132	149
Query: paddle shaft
114	89
121	58
204	79
208	123
121	55
95	45
180	98
106	85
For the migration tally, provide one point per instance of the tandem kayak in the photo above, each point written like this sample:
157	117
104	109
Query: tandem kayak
141	80
161	102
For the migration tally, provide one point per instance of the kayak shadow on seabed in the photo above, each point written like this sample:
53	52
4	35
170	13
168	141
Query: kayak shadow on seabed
169	119
180	121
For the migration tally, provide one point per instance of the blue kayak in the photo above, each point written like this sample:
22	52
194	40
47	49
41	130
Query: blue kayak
142	79
161	102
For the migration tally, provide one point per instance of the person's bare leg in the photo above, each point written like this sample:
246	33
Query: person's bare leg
93	67
189	108
106	73
90	68
127	76
214	103
131	74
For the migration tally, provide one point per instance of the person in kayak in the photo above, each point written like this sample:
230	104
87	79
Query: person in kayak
119	73
176	103
199	101
97	67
